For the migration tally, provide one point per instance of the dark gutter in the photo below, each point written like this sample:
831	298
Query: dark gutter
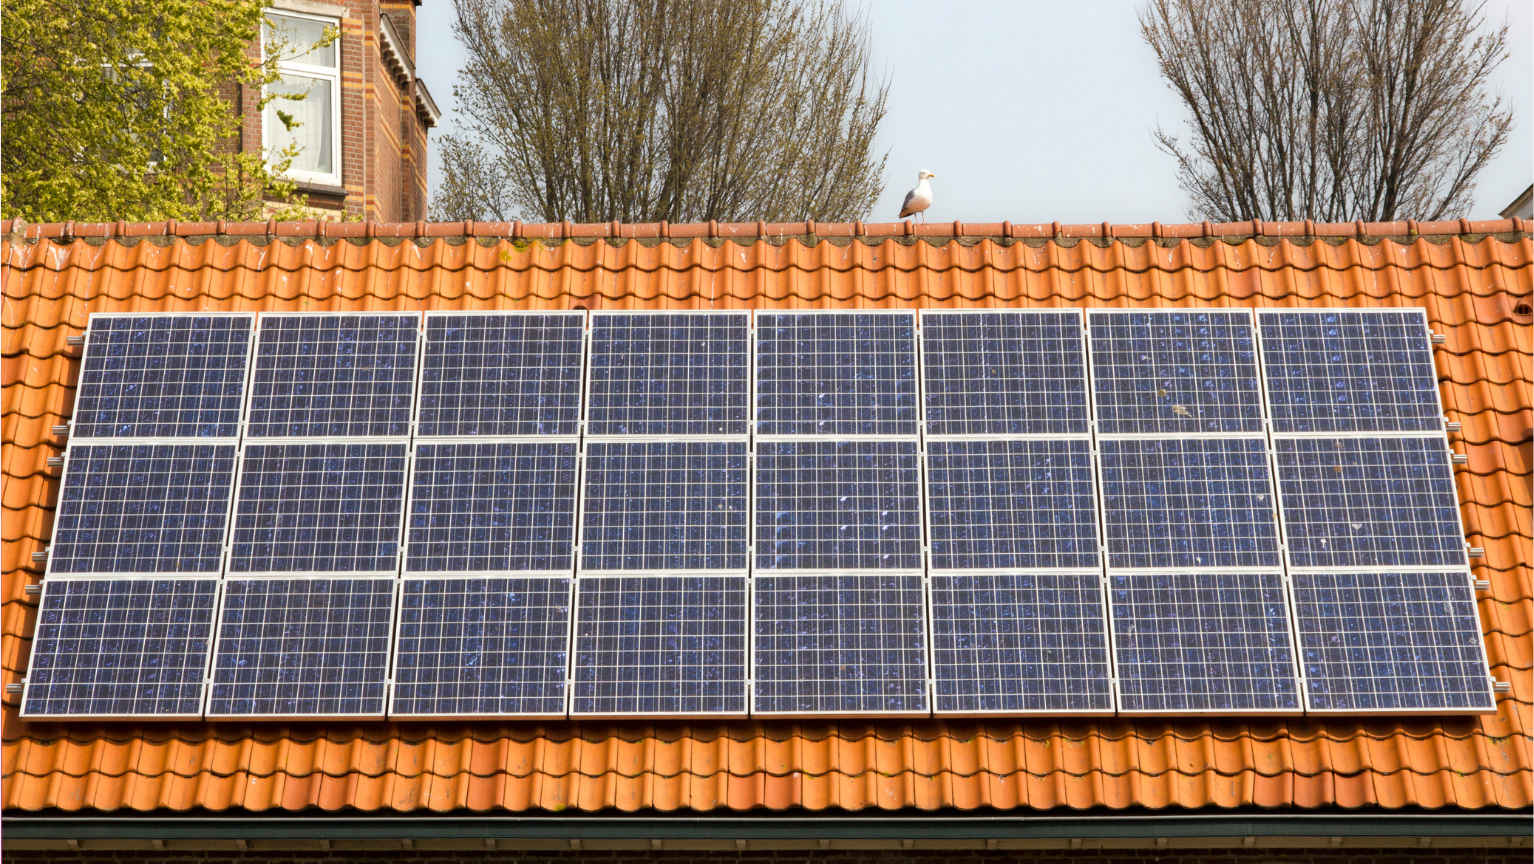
1502	829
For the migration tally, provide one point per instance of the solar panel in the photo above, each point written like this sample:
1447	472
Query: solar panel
669	373
1188	503
482	646
838	505
839	644
1011	504
1361	502
492	507
1019	643
162	376
1335	370
1182	372
302	648
502	373
1202	642
120	648
1004	373
319	508
664	505
143	509
660	645
836	373
1391	642
340	375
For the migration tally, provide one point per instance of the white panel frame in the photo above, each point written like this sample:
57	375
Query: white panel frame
391	627
50	585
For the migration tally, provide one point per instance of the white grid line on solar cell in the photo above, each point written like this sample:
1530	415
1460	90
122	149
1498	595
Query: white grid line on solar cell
304	648
145	509
669	373
1391	643
838	505
1028	504
1182	372
319	507
483	646
1007	372
664	506
839	644
501	374
1200	642
836	374
1378	503
1188	503
488	507
1020	643
1349	371
175	375
123	648
660	645
334	375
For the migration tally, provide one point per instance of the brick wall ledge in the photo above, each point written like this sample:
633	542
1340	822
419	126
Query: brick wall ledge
1403	231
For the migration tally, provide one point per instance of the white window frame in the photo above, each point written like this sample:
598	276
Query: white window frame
329	73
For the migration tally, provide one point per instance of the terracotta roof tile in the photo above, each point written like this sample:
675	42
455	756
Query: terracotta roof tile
1470	277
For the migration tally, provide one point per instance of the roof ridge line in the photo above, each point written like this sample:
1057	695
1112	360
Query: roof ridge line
760	230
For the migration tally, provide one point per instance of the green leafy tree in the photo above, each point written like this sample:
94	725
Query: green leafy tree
129	109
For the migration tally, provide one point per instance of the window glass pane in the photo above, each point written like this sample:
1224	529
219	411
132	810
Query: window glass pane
297	35
311	118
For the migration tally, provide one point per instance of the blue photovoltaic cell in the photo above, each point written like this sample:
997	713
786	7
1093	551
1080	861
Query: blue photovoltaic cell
319	508
1011	504
1369	502
670	373
838	505
162	376
1004	373
1202	642
1391	642
1336	370
492	506
664	505
143	508
1019	642
502	374
1188	503
836	373
120	648
840	644
660	645
334	375
309	647
482	646
1174	371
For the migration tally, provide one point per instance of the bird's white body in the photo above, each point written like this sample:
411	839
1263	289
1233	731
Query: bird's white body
919	198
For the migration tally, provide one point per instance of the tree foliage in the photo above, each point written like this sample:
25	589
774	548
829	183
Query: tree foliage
121	109
644	110
1330	109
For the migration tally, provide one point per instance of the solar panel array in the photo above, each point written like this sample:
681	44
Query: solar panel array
542	514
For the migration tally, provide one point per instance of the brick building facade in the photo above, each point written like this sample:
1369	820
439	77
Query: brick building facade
363	125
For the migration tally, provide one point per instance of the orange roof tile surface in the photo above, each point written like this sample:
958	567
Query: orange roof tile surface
1473	278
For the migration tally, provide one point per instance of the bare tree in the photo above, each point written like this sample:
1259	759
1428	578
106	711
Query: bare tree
681	110
1330	109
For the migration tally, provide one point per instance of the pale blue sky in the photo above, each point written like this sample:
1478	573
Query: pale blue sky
1038	111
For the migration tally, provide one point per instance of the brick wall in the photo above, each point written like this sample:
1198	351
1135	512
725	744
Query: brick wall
383	142
1181	856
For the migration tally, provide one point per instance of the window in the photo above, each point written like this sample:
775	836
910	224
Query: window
310	66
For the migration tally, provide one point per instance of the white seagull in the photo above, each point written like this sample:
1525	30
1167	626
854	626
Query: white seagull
920	198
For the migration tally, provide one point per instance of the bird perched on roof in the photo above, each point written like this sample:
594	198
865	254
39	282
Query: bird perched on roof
920	198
